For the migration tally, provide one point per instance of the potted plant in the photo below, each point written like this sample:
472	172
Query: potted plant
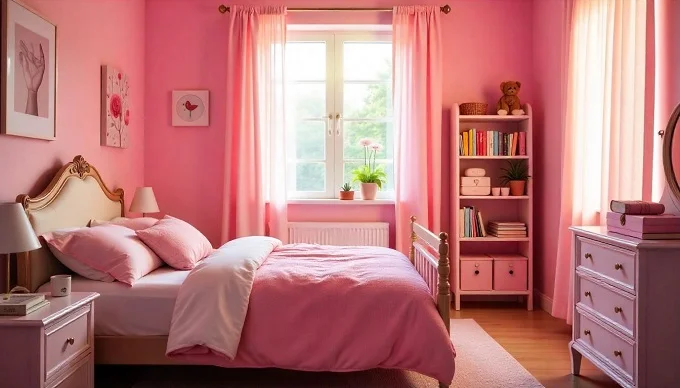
372	177
516	176
346	192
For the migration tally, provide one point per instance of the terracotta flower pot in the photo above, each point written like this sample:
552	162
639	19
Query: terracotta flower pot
369	190
517	188
347	195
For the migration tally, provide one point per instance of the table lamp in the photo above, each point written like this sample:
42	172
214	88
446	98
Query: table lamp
144	201
16	233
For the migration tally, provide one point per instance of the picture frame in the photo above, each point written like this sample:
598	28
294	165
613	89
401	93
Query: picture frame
28	72
115	109
190	108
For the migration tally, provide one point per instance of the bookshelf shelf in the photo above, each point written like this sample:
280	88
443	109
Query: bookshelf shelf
495	157
492	118
493	239
498	197
491	208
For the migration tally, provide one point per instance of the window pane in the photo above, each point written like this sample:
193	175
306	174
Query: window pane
310	140
367	101
349	166
310	176
377	132
306	61
367	61
306	100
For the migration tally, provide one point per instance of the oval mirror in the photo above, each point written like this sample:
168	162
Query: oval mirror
671	155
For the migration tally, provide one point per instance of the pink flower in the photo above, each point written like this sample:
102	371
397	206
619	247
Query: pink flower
127	117
365	142
115	106
376	147
120	76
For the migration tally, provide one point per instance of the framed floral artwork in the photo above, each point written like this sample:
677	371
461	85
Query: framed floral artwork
115	111
28	73
190	108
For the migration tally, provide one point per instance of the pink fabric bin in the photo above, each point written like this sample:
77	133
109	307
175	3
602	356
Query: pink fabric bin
510	273
476	273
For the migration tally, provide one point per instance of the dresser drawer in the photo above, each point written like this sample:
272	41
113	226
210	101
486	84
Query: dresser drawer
615	264
615	349
608	302
66	339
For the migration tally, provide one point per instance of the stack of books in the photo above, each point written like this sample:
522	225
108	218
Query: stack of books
642	219
472	223
475	142
21	304
507	229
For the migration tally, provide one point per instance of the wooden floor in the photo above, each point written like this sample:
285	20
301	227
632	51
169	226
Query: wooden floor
535	339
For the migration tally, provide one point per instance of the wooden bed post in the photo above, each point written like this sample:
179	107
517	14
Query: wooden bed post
444	286
414	238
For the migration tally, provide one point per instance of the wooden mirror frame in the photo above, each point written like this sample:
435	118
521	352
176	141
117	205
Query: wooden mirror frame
668	168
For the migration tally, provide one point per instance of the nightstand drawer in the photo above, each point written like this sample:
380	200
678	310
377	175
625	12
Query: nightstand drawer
81	376
66	339
608	261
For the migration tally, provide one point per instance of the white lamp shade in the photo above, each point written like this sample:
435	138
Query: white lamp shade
144	201
16	232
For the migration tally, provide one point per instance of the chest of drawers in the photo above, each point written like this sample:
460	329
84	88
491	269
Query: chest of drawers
627	307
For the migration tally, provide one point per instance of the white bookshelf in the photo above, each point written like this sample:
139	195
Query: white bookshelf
493	208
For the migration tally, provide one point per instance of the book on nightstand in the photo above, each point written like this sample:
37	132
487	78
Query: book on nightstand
21	304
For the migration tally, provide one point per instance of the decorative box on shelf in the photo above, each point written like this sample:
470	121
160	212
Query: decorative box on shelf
645	227
478	185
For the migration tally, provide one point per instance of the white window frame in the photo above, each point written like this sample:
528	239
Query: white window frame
334	107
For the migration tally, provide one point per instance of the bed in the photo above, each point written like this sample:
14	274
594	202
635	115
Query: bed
77	194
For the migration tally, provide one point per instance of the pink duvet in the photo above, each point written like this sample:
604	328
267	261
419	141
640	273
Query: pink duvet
322	308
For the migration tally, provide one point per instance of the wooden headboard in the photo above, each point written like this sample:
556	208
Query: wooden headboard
75	196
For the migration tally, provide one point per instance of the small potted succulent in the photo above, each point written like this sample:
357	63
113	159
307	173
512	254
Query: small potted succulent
372	177
516	176
346	192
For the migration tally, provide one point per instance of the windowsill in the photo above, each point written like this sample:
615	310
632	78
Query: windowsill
335	201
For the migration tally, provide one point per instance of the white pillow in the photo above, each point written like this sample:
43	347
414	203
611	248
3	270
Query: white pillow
77	266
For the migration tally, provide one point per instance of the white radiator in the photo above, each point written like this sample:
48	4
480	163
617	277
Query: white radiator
340	233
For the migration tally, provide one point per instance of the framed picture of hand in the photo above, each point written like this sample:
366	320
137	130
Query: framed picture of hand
29	73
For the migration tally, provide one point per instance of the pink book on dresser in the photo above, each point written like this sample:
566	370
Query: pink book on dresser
637	207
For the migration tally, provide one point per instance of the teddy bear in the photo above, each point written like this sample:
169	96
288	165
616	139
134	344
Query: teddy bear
509	103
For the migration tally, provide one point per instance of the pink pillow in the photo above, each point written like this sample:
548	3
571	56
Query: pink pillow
111	249
131	223
178	243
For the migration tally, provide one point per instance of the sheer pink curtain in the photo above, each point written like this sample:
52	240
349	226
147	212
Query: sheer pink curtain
604	129
417	114
255	176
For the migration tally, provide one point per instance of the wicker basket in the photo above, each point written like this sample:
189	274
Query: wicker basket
473	108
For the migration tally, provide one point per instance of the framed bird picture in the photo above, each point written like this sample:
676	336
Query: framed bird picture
190	108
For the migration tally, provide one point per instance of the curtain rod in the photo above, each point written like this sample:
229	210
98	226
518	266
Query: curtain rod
446	9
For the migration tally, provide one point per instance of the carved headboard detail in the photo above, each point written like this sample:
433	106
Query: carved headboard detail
76	195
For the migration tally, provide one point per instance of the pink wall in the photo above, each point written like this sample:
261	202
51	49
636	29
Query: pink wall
549	32
89	34
186	41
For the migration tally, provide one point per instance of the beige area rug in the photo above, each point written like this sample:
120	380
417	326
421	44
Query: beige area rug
480	363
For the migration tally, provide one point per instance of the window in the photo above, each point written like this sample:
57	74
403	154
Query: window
338	91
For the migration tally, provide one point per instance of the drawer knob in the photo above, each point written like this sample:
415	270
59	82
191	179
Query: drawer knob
70	341
589	256
618	266
586	332
511	272
476	272
618	309
617	353
587	293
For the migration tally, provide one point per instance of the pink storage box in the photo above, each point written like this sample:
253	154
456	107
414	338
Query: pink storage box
635	226
476	273
510	272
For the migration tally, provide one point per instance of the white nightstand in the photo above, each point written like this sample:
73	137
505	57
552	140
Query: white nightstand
52	347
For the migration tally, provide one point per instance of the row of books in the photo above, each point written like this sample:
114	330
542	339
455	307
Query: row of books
21	304
472	222
475	142
507	229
